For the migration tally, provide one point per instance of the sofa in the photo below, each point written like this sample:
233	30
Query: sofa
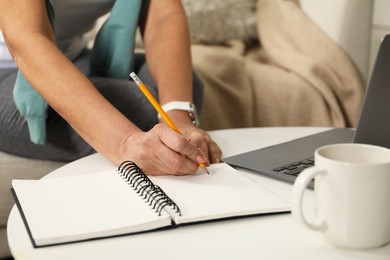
347	23
292	67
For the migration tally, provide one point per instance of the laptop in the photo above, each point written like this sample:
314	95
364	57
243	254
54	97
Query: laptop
286	160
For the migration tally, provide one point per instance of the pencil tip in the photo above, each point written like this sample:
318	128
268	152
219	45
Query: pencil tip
205	169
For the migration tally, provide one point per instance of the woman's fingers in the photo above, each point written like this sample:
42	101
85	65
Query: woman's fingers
162	151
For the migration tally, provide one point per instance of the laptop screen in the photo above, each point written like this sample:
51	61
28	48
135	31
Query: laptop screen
374	123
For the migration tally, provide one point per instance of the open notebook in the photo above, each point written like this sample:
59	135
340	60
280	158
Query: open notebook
112	203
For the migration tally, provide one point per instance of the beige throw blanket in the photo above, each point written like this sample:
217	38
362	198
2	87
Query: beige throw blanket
298	77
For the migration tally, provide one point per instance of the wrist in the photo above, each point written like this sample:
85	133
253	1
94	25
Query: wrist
187	111
125	148
179	116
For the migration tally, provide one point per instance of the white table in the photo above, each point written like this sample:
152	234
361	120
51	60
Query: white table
264	237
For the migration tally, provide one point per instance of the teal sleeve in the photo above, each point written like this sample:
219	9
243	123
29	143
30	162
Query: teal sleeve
113	50
33	107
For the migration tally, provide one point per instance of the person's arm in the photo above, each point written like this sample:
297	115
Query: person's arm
168	54
167	46
28	34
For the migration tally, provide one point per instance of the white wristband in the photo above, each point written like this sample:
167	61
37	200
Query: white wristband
182	105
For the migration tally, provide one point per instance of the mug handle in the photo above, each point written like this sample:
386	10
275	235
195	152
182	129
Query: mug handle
299	188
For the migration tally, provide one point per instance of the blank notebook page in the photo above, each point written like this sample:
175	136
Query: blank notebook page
224	193
82	207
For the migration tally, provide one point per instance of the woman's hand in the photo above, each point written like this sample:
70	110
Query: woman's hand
202	140
196	136
162	151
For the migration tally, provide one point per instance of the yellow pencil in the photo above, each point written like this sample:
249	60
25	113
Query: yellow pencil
159	109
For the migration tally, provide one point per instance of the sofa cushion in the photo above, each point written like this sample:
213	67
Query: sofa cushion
217	21
15	167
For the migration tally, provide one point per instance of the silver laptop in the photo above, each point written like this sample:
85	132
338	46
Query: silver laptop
286	160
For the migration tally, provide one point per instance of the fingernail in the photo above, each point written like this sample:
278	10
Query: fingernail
200	159
217	161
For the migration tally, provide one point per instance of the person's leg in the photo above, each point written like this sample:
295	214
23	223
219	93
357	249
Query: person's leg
62	142
124	94
129	100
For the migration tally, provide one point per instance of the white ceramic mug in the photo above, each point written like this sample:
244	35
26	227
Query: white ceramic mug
352	189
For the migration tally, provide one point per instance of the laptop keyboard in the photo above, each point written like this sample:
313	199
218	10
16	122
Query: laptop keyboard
296	167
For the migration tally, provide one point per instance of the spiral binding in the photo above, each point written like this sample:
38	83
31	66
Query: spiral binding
152	194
